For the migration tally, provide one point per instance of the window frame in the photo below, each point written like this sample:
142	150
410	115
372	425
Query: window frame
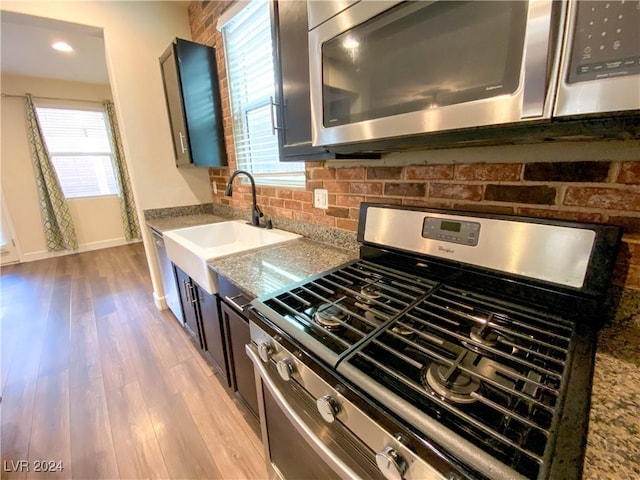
290	174
100	179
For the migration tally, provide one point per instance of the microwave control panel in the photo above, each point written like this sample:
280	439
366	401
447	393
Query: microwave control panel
454	231
606	40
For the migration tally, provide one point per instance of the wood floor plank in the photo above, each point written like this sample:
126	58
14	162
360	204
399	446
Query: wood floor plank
102	295
155	380
81	300
25	304
218	424
183	448
137	450
165	337
85	364
81	335
50	427
92	451
15	425
116	362
54	357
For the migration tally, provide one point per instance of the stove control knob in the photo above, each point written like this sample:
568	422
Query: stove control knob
391	464
285	368
328	408
265	349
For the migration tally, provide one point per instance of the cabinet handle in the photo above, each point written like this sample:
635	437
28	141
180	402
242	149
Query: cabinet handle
234	304
182	147
194	298
187	291
273	116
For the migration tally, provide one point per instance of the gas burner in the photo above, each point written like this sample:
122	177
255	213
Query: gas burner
330	316
484	335
369	293
451	383
402	330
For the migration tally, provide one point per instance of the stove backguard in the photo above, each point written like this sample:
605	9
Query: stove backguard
558	259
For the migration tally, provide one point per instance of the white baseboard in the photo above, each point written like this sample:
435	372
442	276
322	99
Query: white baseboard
87	247
161	302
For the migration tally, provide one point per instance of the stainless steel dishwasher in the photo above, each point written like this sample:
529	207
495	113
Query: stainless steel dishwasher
171	294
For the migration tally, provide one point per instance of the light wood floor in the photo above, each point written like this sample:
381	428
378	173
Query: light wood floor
95	377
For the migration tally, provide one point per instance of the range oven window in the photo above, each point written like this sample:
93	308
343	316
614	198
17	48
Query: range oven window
289	452
415	56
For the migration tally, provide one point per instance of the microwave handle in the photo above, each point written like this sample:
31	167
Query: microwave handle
537	51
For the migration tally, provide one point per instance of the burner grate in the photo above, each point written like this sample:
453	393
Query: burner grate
339	309
491	373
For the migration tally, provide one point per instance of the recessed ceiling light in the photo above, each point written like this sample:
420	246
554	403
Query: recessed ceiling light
62	47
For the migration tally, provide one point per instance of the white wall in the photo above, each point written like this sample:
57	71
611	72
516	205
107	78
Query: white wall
97	220
136	33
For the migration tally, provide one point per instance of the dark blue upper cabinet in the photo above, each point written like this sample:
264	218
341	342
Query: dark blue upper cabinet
192	92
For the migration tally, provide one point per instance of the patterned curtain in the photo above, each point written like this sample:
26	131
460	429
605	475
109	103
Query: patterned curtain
56	218
127	203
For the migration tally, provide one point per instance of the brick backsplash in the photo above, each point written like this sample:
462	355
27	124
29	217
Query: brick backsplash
567	171
585	191
474	187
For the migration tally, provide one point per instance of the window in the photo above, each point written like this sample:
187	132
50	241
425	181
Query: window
80	149
250	72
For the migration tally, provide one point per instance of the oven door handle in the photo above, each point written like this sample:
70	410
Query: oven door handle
320	448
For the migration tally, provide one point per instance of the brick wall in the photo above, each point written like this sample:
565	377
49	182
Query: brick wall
589	191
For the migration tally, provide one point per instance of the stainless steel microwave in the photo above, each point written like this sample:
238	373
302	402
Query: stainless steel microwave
385	69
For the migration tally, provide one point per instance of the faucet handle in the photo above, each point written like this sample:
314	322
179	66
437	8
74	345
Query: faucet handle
268	224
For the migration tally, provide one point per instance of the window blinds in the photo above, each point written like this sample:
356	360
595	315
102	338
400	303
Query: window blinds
80	150
250	72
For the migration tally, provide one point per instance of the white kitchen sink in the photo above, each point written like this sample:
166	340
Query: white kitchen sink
191	248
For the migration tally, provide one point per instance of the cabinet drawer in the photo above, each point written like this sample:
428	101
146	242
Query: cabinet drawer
233	295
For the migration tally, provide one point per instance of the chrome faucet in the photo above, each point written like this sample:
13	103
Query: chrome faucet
256	213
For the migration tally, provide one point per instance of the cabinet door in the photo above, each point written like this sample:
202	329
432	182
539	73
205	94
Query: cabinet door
191	87
290	34
173	96
293	99
212	332
242	375
202	104
188	299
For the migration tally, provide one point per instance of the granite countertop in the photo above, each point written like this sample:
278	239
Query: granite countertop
613	443
264	271
163	224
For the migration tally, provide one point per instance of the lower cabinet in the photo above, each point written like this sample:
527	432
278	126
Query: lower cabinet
218	326
236	325
242	378
201	312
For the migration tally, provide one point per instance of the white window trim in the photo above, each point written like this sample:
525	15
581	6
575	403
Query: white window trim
230	13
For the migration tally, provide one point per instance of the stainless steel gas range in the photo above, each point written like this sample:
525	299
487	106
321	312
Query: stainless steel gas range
458	346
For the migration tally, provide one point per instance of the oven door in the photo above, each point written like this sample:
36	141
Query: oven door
388	69
298	442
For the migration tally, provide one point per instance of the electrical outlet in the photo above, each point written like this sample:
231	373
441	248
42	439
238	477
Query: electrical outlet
321	198
215	187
